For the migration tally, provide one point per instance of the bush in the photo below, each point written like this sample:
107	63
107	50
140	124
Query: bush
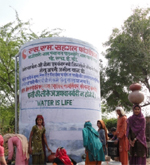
110	123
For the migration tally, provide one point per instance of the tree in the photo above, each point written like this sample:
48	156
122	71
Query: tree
128	56
12	36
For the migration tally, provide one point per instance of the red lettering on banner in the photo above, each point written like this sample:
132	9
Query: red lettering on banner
36	87
58	47
66	47
43	47
74	48
40	86
94	89
49	47
69	47
59	86
81	86
48	85
23	90
72	85
76	85
35	49
27	88
30	50
88	51
87	87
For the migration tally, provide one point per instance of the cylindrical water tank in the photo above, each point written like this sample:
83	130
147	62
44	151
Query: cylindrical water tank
59	78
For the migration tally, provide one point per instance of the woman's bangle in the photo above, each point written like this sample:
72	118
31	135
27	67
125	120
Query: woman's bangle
135	139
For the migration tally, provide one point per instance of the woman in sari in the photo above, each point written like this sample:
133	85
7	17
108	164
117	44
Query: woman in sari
21	143
2	157
38	141
102	130
92	144
121	136
136	133
62	158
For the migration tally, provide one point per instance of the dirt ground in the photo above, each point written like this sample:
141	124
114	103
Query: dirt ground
147	161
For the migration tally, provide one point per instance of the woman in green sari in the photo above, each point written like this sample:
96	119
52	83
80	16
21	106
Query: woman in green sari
92	144
37	142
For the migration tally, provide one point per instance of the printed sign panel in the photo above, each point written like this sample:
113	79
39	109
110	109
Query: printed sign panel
59	78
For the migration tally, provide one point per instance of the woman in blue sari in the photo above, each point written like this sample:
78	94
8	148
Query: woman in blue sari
92	144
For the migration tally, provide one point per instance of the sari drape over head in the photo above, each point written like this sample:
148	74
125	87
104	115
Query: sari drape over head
105	129
137	124
23	140
62	155
121	135
92	143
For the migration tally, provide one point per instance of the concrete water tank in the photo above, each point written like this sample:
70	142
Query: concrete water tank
59	78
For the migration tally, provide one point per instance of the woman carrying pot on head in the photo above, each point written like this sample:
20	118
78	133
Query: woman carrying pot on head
92	144
103	136
136	133
121	136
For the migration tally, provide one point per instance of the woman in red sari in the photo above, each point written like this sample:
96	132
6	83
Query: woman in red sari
121	136
62	158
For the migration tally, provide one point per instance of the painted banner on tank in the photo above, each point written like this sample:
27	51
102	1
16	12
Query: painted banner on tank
59	75
59	78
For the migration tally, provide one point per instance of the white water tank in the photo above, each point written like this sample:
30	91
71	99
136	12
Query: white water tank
59	78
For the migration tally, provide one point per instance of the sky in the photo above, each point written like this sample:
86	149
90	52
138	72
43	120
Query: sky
88	20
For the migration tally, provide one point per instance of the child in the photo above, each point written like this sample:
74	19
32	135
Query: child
2	158
113	131
37	141
110	135
21	142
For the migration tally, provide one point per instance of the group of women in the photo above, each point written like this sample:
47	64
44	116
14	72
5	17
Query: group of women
130	136
36	147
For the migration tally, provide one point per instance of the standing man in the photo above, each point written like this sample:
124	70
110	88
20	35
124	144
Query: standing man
121	136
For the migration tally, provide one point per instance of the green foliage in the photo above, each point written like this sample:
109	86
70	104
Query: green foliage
12	36
104	107
128	56
110	123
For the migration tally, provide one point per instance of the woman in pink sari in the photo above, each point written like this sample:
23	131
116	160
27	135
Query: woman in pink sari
20	141
2	158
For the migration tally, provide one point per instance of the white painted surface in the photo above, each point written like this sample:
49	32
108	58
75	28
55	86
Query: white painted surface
50	85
